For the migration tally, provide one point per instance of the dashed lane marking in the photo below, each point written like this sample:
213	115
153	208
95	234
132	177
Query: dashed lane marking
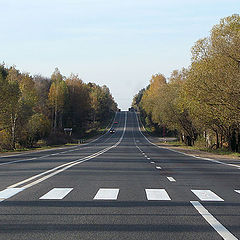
208	159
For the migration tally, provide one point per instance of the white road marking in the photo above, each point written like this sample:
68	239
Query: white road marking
221	230
171	179
157	167
157	194
9	192
63	167
107	194
57	193
54	154
208	159
238	191
23	160
207	195
152	162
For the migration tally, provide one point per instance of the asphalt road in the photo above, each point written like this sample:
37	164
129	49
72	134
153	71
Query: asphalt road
120	186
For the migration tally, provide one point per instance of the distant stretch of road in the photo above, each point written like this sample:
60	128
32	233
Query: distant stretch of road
120	186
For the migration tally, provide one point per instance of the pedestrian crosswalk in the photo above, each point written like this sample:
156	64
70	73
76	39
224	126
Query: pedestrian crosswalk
151	194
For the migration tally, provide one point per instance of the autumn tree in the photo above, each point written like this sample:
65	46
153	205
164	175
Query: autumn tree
78	113
212	87
58	96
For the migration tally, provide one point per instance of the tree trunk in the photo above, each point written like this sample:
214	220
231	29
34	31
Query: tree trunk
13	130
217	140
55	119
233	141
238	141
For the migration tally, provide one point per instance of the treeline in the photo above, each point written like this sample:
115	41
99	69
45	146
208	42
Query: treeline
201	102
35	107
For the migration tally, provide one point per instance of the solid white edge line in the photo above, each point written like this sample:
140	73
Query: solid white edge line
221	230
207	159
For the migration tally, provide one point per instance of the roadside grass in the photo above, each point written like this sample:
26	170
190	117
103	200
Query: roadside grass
200	147
221	152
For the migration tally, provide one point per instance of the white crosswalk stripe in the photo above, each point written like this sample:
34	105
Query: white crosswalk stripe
107	194
57	193
171	179
157	194
207	195
9	192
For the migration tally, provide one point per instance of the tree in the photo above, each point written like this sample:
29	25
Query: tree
79	109
58	95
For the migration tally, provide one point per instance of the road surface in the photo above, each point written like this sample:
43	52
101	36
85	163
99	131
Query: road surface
120	186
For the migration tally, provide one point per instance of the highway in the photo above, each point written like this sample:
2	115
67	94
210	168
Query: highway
120	186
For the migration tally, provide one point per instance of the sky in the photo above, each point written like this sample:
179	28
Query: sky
118	43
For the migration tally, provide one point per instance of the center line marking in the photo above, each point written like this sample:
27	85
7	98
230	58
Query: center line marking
152	162
221	230
157	167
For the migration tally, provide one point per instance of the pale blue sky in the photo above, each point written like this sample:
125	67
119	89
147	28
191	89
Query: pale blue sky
120	43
